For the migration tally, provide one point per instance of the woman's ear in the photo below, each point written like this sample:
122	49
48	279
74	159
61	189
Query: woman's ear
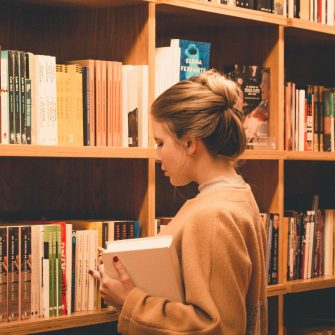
190	144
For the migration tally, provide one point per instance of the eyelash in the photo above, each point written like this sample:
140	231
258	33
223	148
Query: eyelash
158	145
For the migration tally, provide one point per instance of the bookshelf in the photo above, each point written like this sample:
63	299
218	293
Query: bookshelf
96	181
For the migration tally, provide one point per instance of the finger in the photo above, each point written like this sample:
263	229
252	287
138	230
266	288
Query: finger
101	269
120	270
101	250
95	274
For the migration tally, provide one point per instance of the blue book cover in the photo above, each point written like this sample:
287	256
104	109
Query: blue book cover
194	57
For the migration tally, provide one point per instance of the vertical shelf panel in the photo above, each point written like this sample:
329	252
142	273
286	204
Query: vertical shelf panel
263	177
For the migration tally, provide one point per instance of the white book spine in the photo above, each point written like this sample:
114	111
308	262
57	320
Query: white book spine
306	250
79	270
310	251
68	267
124	97
4	98
92	263
85	257
301	119
143	106
46	106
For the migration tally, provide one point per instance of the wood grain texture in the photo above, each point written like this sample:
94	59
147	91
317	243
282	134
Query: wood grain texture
70	188
118	34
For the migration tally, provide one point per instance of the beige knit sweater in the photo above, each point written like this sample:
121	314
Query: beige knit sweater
221	244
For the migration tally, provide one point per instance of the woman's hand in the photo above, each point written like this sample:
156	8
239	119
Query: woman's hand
113	291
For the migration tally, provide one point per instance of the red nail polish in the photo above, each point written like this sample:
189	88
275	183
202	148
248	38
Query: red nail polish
90	272
115	259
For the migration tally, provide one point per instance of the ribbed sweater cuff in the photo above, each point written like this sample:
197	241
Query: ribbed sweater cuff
127	310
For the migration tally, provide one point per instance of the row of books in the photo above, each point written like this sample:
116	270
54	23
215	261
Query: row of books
309	118
44	266
180	60
269	6
310	247
105	103
83	102
186	58
319	11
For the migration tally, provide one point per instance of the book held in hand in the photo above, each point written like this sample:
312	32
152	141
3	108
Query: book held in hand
151	262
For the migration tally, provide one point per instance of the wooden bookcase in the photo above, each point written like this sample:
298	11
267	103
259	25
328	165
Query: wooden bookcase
81	182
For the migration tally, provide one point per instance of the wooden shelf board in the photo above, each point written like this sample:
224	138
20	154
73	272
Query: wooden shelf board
56	323
17	150
307	25
172	6
83	3
263	154
315	156
303	285
275	290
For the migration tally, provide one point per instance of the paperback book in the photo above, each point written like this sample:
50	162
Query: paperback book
151	262
194	57
254	84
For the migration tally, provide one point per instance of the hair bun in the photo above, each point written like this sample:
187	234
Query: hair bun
220	85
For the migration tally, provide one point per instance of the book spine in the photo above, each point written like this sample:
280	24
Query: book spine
68	264
3	274
63	278
85	268
13	273
86	104
60	285
73	270
47	249
22	95
4	91
326	121
17	98
92	263
11	96
27	124
79	270
25	272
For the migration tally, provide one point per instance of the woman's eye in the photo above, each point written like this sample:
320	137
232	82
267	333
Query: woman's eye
158	145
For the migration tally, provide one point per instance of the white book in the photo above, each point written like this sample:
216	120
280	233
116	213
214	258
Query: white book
45	121
306	250
302	95
4	97
85	268
78	270
92	264
330	12
151	262
143	105
68	267
124	108
30	59
167	65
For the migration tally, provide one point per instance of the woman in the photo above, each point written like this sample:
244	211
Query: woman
218	235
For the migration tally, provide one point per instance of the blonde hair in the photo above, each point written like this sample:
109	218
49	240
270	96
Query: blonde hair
204	107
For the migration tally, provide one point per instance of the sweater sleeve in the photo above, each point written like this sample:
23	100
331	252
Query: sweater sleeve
209	285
